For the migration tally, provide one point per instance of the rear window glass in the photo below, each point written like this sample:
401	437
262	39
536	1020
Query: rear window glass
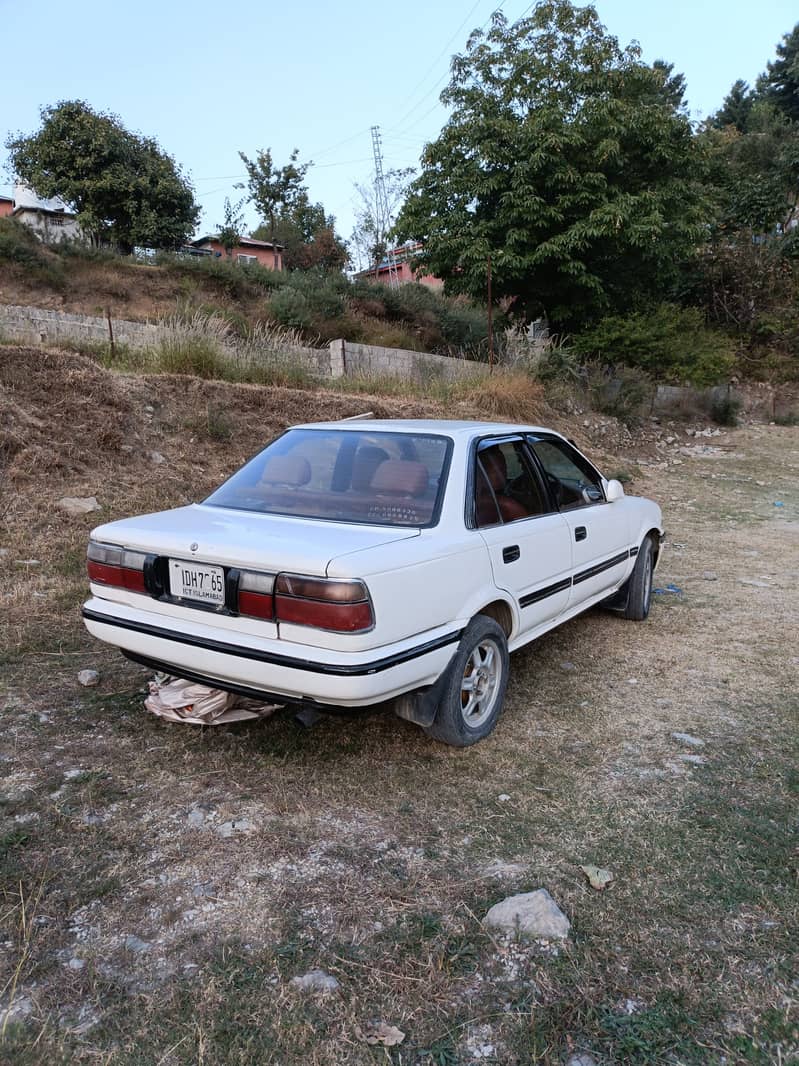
378	478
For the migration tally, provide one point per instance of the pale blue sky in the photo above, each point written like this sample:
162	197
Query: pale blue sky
207	80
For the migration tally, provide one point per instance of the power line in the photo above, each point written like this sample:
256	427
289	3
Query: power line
443	76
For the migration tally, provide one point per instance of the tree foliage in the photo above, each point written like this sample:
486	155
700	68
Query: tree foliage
736	109
290	218
754	175
567	159
124	189
232	228
780	84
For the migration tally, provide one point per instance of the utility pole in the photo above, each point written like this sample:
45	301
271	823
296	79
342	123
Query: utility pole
383	211
490	323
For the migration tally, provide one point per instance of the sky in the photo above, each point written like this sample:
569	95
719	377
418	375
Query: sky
210	80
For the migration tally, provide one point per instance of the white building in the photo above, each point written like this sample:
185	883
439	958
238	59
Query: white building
49	219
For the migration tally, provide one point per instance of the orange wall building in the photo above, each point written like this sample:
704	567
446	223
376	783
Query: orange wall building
248	250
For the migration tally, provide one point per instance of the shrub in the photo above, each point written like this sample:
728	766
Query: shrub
625	392
192	346
669	342
725	409
20	246
508	395
291	308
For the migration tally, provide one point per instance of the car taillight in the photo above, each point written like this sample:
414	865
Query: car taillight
255	595
341	606
110	565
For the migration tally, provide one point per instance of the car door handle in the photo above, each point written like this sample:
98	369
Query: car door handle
511	553
580	533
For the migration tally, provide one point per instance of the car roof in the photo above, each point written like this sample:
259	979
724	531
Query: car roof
441	426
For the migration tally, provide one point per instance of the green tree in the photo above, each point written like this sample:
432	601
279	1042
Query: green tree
123	187
274	189
566	159
780	83
307	234
755	174
736	109
231	230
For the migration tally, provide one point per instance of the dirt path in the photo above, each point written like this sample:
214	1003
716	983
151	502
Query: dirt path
162	885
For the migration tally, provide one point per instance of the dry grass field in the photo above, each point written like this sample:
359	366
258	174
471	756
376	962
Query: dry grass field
161	885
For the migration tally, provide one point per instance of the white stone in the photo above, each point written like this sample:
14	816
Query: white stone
238	825
582	1059
316	981
76	964
686	738
134	943
533	914
17	1010
695	760
78	505
157	458
89	678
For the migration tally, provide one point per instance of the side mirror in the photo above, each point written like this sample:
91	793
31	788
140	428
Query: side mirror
614	490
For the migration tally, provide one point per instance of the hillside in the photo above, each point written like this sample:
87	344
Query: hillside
320	307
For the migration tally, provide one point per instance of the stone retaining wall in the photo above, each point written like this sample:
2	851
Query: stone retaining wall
33	325
369	360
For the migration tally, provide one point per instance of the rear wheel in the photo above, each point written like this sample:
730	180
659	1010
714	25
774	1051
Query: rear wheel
639	592
478	676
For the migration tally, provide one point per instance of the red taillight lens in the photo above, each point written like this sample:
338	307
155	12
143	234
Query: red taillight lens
255	595
340	606
110	565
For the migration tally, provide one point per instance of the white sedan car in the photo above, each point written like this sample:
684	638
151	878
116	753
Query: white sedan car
360	562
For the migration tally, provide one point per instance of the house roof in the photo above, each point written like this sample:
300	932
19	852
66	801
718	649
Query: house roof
25	199
243	242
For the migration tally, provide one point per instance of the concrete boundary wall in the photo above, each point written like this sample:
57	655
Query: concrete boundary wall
369	360
33	325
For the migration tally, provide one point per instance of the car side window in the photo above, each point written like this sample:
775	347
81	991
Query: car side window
572	481
506	487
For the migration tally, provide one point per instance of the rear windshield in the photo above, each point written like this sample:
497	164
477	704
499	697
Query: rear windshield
387	479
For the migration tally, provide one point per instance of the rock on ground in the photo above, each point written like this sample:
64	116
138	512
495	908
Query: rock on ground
533	914
78	505
316	981
88	678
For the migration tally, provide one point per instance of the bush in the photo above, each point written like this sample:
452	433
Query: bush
291	308
725	409
510	395
20	246
625	392
668	342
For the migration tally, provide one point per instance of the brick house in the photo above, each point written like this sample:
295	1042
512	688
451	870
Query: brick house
247	251
6	206
405	272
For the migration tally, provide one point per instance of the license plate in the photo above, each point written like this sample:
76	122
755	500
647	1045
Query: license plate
196	581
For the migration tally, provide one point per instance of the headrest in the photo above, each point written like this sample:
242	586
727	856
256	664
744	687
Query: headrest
495	467
367	459
400	477
293	470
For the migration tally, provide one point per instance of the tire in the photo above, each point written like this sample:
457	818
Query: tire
639	585
472	700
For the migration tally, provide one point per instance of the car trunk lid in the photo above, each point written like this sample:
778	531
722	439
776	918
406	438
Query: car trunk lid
248	540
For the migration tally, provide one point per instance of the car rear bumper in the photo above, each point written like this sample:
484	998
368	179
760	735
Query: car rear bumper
273	667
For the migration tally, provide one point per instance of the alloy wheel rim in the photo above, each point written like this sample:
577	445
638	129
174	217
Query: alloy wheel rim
480	683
